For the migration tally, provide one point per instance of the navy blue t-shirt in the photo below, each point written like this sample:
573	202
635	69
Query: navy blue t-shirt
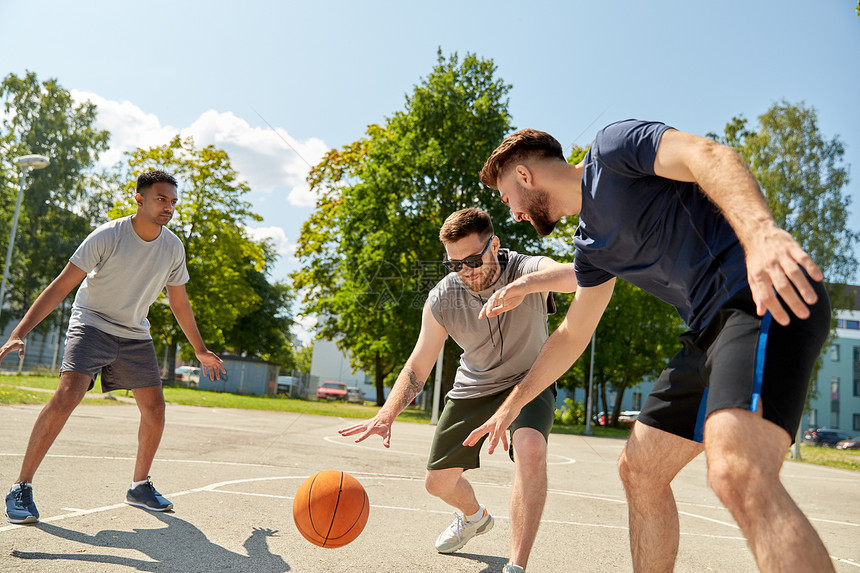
664	236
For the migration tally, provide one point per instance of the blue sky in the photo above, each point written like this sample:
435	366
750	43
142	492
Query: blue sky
320	72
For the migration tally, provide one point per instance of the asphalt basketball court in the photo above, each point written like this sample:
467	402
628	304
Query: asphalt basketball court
232	473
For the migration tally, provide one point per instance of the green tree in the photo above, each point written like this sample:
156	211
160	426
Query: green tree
224	262
59	208
264	331
304	356
370	252
801	174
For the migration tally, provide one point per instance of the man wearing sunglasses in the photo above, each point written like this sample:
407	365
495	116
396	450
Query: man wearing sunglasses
497	354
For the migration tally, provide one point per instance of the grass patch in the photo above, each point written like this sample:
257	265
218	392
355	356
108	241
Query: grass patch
599	431
189	397
16	395
830	457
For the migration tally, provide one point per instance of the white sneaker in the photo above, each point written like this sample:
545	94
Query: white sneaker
461	531
511	568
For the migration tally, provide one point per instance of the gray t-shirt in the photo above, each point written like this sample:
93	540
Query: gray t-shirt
498	351
125	274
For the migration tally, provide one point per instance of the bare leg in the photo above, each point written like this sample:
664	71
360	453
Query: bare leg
745	453
528	495
452	487
70	391
150	402
650	461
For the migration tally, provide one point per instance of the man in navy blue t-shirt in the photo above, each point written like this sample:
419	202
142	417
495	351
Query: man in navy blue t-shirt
683	218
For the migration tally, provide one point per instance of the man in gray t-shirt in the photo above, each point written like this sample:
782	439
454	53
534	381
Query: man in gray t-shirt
497	354
123	266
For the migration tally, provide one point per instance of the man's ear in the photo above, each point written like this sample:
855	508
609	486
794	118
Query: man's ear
138	198
524	175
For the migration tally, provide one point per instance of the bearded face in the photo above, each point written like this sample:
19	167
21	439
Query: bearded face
535	204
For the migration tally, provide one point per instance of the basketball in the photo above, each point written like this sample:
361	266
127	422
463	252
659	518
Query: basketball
330	508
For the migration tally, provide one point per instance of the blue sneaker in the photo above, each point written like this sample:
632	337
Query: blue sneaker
20	507
147	497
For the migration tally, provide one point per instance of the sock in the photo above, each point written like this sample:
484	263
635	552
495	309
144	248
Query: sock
17	486
478	515
134	484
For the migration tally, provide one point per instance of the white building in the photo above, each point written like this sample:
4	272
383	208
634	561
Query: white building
328	364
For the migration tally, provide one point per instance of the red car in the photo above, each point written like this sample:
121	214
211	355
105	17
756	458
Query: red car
332	391
850	444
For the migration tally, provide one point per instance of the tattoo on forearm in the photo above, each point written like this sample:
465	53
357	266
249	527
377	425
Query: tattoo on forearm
411	386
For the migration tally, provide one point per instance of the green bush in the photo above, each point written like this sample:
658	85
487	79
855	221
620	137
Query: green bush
570	414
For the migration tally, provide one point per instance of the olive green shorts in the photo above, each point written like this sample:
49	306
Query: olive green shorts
460	417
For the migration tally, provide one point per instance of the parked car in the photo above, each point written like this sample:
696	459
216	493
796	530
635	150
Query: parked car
332	391
354	395
627	417
290	386
188	375
824	437
849	444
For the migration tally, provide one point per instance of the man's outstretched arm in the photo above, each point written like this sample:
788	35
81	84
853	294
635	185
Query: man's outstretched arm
70	277
775	262
211	363
559	352
409	382
551	276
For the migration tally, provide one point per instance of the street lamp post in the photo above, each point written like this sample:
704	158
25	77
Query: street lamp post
26	162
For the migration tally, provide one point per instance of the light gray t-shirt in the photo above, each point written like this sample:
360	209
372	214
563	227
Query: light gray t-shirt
498	351
125	274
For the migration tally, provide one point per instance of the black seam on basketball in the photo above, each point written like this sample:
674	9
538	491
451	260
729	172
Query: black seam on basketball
310	513
364	502
334	512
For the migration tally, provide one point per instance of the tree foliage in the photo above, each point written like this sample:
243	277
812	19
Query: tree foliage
370	252
59	207
802	176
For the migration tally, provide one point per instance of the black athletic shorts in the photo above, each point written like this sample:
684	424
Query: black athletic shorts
740	360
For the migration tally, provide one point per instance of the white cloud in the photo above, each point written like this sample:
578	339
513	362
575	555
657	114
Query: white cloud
130	127
304	329
266	159
278	237
301	196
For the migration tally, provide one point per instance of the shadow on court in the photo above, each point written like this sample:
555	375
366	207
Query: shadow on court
493	563
180	546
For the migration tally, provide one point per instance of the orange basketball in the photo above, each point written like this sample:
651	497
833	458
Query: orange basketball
330	508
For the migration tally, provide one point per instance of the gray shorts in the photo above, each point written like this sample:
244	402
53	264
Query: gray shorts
125	363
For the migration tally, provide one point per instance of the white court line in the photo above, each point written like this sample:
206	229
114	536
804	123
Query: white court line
565	460
125	458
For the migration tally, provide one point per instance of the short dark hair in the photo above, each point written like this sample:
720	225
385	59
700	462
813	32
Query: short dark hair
460	224
522	144
150	178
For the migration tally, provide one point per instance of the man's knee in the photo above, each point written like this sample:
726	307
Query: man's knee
738	481
529	448
439	483
152	410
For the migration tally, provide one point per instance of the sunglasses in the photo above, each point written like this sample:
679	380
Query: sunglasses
472	261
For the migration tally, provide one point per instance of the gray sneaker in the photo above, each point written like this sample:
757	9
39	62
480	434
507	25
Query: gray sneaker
461	531
147	497
511	568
